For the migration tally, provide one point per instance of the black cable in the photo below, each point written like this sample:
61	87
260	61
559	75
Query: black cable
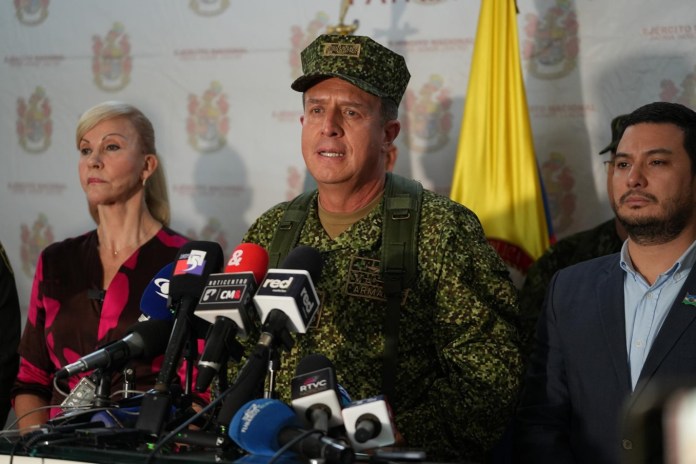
158	446
17	419
289	444
14	450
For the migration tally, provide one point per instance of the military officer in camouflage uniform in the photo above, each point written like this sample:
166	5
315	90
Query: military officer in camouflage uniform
459	363
604	239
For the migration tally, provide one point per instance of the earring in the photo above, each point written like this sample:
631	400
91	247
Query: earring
144	181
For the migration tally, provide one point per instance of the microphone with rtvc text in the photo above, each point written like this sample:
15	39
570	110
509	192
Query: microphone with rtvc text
317	397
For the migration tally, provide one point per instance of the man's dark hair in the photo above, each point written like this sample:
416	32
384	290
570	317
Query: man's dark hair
668	113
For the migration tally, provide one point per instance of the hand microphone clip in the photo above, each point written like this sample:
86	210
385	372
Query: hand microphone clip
275	333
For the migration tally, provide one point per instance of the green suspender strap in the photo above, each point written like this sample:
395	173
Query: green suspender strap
399	260
287	234
402	203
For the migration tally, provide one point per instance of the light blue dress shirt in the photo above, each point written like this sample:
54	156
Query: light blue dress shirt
647	306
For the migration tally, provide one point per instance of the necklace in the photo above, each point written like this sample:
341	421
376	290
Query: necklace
115	252
137	243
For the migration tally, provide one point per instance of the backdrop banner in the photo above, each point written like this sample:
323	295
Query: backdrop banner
214	77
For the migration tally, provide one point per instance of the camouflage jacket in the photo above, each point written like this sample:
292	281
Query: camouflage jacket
599	241
459	360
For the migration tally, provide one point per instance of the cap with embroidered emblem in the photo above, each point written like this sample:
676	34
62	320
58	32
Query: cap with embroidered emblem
356	59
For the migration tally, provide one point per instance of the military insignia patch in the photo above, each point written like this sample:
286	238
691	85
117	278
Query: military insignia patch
364	280
336	49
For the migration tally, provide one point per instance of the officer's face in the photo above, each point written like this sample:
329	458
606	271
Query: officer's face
344	140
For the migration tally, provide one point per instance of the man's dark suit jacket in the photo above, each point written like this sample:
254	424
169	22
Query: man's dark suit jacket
577	391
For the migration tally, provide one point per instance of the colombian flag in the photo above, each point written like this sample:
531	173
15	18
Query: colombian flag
496	173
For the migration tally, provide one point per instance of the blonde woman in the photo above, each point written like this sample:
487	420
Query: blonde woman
87	289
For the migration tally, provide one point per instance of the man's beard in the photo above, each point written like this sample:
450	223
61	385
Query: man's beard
656	230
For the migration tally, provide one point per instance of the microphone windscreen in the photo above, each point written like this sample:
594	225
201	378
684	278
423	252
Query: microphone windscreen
249	257
154	303
194	263
155	336
304	258
257	425
315	388
313	362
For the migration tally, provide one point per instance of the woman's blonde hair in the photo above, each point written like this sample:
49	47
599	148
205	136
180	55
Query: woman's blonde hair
156	197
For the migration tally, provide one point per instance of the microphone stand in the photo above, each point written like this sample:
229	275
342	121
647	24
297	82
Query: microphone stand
102	394
157	402
190	354
273	367
275	335
249	382
128	382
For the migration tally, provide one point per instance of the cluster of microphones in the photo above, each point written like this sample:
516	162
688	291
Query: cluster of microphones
190	299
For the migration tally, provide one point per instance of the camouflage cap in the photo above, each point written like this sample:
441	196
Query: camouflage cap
356	59
615	134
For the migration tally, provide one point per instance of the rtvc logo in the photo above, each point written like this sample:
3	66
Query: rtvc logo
313	383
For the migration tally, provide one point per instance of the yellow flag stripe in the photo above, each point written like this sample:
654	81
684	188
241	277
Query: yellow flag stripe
496	172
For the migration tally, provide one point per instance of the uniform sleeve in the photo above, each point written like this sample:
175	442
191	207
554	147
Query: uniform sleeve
9	333
543	416
35	369
533	291
476	309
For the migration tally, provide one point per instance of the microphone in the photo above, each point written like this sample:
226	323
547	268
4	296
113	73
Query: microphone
263	426
229	293
195	261
315	393
154	302
145	339
370	423
276	313
226	302
291	289
220	344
